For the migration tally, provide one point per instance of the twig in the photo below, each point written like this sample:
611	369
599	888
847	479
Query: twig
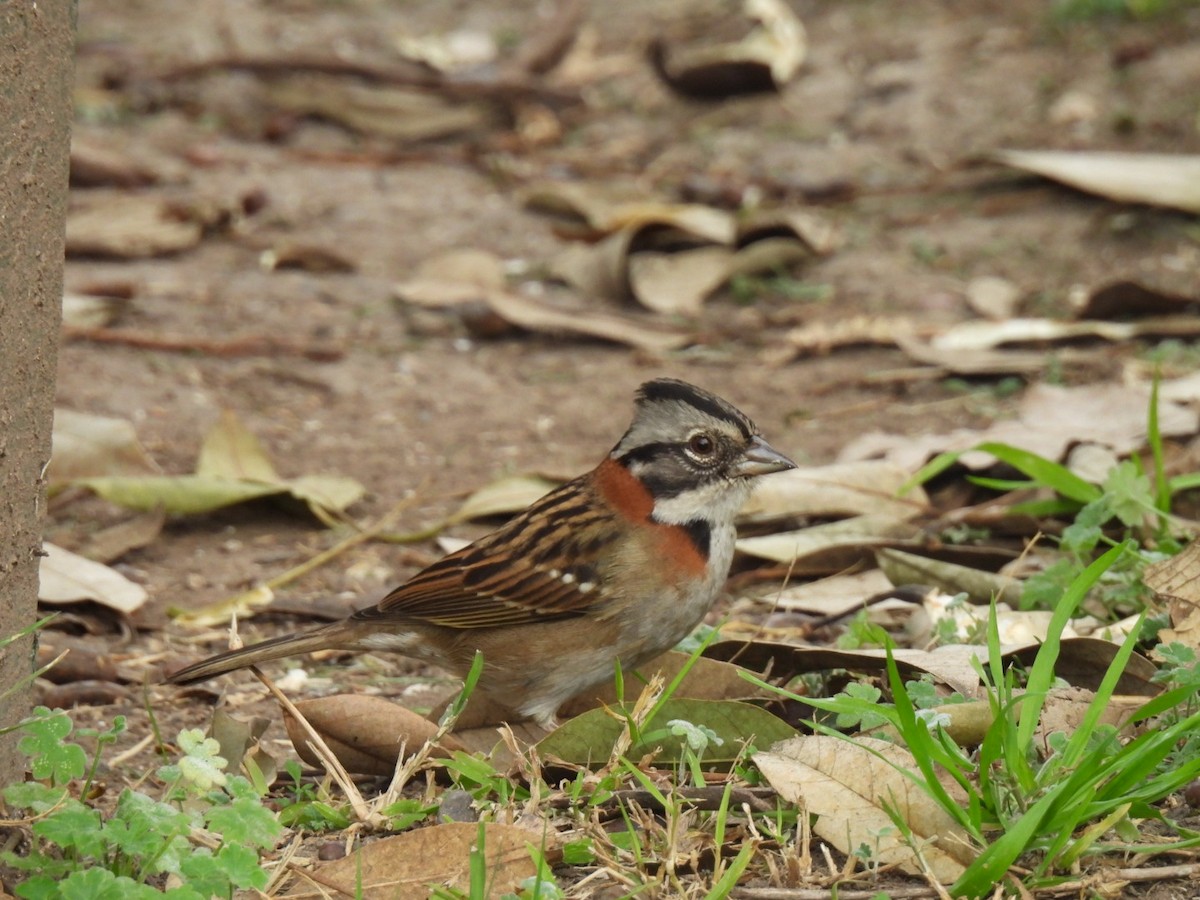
317	743
503	88
248	345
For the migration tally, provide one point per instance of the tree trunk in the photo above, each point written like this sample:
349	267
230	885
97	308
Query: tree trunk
36	67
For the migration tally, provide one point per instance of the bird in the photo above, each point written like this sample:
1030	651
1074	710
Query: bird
616	565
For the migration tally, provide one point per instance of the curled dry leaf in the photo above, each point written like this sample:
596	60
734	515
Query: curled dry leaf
765	59
398	113
1158	179
241	742
407	866
590	212
1082	661
849	788
1131	299
367	734
89	311
853	331
452	291
66	577
977	336
82	661
130	226
308	256
87	445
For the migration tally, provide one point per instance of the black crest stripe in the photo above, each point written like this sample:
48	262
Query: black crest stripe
667	389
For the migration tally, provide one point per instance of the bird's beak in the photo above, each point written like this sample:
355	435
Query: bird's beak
760	458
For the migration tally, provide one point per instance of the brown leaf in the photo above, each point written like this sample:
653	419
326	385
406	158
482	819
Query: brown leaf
848	787
1177	580
841	489
365	733
407	866
540	316
90	311
1129	299
87	445
1050	420
129	226
1159	179
66	577
398	113
764	60
110	544
308	256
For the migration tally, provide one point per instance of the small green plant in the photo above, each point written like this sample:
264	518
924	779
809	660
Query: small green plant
310	807
1132	501
77	852
1043	807
747	289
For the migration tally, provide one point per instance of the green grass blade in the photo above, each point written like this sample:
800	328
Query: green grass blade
1041	676
1042	470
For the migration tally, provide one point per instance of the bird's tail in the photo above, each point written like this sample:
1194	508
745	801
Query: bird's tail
330	637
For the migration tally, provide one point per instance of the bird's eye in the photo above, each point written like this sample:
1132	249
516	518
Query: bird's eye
702	444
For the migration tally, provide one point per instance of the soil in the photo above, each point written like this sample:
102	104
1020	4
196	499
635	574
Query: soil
883	131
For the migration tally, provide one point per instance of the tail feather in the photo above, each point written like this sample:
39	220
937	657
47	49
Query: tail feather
329	637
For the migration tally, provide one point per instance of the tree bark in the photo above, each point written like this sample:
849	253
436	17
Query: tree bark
36	69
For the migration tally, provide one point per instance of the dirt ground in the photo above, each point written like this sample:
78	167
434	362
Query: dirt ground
882	131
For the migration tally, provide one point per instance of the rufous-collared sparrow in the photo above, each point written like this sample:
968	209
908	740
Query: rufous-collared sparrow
620	563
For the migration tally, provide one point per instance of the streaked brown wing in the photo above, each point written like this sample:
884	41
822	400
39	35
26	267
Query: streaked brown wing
529	570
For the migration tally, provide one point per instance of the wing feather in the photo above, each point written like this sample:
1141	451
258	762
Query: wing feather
530	570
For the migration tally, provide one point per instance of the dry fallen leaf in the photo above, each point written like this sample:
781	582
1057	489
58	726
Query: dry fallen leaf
367	734
129	226
408	866
841	489
849	788
836	595
832	546
993	297
765	59
1177	580
1050	420
85	445
537	315
89	311
232	468
398	113
66	577
1159	179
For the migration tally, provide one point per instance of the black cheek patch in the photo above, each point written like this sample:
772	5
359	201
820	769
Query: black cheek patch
700	534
